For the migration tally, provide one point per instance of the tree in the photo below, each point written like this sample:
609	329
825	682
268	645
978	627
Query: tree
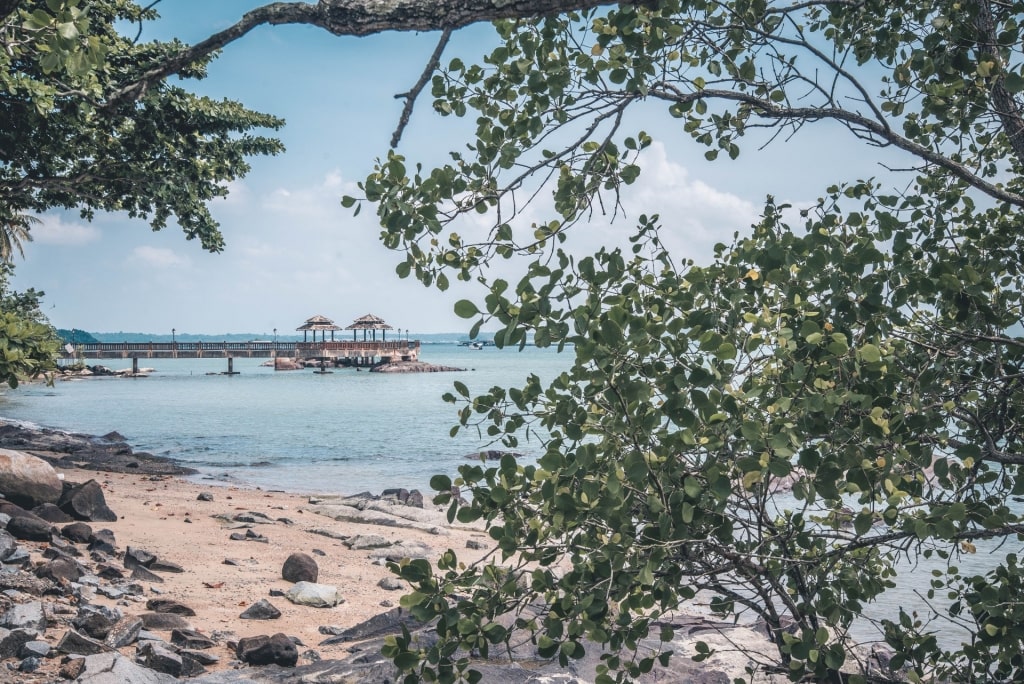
66	143
28	343
863	351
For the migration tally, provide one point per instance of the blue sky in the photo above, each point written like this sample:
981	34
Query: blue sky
293	251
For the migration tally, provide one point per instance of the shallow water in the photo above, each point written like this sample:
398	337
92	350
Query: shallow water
344	432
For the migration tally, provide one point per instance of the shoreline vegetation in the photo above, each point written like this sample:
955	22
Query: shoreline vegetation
192	579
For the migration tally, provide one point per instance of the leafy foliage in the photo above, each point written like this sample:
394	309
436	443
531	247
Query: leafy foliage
774	431
28	344
66	142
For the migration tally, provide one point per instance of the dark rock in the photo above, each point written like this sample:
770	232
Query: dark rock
60	546
60	570
27	616
300	567
30	528
475	544
124	632
134	557
237	536
415	499
73	642
160	565
399	495
30	664
86	502
109	572
267	650
492	455
201	657
391	584
103	541
190	666
34	649
27	480
19	558
142	574
77	532
254	536
157	657
165	605
50	513
261	610
25	582
8	544
73	668
204	496
190	638
13	641
390	622
164	622
96	621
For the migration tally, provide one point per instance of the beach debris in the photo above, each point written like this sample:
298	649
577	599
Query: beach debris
213	585
314	595
28	480
300	567
261	610
276	649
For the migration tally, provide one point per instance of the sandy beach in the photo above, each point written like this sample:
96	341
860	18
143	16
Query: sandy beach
166	516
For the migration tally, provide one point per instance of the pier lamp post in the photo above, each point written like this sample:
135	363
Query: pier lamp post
174	343
275	336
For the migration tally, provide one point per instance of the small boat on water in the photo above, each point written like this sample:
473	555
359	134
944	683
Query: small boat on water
476	346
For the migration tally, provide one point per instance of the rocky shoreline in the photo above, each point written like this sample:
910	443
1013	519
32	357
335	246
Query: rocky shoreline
146	577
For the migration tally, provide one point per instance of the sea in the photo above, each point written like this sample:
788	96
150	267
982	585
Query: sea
344	432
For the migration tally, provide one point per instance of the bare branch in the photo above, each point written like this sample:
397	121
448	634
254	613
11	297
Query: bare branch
356	18
877	131
414	92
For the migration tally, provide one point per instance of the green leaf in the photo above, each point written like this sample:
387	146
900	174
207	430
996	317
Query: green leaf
466	309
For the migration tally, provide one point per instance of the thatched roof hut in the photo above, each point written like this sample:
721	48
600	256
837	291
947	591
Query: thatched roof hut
321	323
369	323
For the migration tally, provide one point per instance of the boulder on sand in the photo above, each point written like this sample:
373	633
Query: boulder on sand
86	502
26	480
300	567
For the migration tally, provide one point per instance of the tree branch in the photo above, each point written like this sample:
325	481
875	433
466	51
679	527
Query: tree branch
1006	108
414	92
879	132
355	18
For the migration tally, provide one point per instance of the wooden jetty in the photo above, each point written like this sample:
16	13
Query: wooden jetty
355	352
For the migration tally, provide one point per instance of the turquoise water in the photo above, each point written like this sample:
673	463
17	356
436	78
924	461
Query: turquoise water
344	432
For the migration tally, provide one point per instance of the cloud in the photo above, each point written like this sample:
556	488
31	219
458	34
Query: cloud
159	257
55	231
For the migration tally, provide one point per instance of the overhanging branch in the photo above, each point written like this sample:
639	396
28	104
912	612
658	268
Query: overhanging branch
356	18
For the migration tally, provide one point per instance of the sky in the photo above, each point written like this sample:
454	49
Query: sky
293	251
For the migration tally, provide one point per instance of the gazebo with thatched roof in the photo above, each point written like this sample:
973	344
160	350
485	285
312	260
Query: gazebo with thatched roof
321	323
369	323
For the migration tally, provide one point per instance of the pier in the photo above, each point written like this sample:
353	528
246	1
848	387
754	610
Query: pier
346	352
365	352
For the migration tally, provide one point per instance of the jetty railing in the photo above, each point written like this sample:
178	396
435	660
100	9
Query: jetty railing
368	349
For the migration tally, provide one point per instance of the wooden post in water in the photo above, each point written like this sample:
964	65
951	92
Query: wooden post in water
231	366
135	365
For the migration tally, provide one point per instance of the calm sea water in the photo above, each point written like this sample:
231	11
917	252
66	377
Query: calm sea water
344	432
